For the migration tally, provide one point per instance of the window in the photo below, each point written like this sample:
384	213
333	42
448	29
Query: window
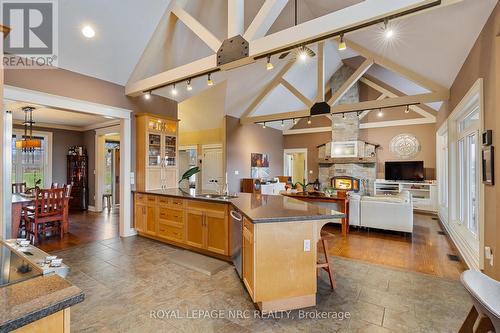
31	168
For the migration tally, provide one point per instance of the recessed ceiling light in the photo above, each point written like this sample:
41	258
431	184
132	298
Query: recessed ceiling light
88	31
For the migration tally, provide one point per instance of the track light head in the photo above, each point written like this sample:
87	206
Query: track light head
209	80
309	121
174	90
342	44
147	95
189	87
282	123
388	31
407	110
264	125
269	65
380	113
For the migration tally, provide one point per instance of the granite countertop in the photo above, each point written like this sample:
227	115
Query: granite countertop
313	196
30	300
260	208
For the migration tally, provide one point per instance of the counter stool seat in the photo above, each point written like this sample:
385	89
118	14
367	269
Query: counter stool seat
326	264
485	293
106	198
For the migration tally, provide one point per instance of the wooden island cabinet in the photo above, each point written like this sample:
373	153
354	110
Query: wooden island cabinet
193	224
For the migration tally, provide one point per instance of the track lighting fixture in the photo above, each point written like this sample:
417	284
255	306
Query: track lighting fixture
264	125
282	123
269	65
388	31
294	121
147	95
342	44
209	80
407	109
309	121
380	113
174	90
189	87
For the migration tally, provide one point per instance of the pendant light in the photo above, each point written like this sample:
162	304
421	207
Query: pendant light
28	144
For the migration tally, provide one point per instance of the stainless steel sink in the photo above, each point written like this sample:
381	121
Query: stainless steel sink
216	196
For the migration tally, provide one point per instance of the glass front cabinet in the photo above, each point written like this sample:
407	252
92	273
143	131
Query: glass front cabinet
156	142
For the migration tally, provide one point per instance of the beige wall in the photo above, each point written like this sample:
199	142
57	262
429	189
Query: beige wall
201	137
484	62
73	85
242	141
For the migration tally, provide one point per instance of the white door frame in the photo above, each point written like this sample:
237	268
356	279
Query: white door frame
65	103
294	151
100	163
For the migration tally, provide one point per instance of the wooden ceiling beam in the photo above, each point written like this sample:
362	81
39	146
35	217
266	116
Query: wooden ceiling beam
320	96
235	18
391	94
264	19
391	65
275	117
203	33
267	89
358	73
390	102
307	102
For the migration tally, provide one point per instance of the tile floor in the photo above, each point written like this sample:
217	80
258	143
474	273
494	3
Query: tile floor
125	280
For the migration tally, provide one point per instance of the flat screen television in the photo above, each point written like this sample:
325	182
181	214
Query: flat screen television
408	170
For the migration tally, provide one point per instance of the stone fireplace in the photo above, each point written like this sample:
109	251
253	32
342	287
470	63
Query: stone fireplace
345	128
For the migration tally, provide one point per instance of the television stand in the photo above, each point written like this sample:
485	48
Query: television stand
424	193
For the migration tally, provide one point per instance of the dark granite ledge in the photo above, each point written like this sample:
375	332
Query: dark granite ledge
31	300
260	208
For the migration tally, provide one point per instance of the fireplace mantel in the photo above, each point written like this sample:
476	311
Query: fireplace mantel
347	160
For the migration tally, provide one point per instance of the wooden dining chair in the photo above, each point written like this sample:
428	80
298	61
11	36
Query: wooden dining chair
18	188
54	185
47	214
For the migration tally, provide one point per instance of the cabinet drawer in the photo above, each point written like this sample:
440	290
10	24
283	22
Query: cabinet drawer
141	198
171	232
163	200
204	206
177	202
170	214
247	225
151	199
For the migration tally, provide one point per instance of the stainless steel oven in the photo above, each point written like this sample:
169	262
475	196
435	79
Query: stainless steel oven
237	240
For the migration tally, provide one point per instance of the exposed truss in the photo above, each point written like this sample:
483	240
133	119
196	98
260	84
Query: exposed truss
261	44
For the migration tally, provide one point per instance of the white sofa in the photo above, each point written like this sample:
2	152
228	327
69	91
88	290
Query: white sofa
387	212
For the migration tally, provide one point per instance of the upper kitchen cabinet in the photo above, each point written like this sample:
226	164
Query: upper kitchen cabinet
157	150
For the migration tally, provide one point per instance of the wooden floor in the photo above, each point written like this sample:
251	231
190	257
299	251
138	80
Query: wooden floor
426	251
84	227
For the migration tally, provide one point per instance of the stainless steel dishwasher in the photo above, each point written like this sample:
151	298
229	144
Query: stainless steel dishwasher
237	240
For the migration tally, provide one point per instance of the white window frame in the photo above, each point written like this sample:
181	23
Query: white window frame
443	174
469	246
47	137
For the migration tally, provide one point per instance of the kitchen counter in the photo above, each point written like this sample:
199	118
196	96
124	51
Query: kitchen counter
25	302
261	208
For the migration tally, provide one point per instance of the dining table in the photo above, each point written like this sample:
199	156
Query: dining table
18	202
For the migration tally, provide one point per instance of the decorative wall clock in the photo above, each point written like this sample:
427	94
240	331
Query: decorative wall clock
405	146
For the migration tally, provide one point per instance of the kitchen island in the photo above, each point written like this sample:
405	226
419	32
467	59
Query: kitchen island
277	236
31	299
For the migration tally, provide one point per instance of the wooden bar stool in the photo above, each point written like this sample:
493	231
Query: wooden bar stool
106	198
326	265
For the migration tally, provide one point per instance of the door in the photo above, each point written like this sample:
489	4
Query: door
295	165
217	233
195	223
212	168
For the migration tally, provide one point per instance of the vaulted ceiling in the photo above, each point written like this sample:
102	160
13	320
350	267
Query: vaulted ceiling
434	44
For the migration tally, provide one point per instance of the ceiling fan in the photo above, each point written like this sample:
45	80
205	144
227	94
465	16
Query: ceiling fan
302	52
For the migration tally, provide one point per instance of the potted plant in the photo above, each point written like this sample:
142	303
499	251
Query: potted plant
186	175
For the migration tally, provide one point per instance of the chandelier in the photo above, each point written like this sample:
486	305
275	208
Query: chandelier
28	143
